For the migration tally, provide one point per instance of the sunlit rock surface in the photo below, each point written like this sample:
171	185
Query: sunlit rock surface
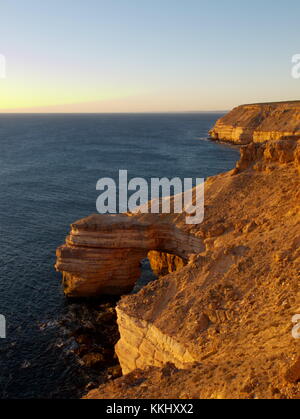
224	320
259	123
102	254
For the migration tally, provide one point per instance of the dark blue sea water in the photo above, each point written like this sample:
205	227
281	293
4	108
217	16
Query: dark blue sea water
49	166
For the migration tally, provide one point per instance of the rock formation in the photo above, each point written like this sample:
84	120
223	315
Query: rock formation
221	326
219	323
102	254
259	123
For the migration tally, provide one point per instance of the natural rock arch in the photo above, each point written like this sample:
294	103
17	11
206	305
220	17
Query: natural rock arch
102	254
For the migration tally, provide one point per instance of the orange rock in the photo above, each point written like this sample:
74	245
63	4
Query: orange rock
258	123
223	319
102	254
293	373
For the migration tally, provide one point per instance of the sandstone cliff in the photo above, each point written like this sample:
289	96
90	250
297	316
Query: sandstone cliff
102	254
259	123
224	320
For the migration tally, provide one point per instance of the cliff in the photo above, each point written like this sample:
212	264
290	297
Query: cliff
220	327
259	123
102	254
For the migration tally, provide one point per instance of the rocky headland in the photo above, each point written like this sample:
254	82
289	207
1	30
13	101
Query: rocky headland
218	321
259	123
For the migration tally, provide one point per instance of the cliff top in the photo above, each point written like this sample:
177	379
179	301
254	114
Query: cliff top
284	102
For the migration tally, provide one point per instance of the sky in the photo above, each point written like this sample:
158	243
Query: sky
146	56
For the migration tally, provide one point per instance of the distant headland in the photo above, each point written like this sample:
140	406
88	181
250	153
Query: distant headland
259	122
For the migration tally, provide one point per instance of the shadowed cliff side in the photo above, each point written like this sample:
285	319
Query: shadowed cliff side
258	123
224	321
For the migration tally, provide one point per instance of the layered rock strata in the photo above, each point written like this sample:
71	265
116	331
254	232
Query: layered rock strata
102	254
259	123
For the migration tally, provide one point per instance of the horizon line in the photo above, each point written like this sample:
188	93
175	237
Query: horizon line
110	113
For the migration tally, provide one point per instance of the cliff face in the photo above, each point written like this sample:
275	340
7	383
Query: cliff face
259	123
102	254
224	320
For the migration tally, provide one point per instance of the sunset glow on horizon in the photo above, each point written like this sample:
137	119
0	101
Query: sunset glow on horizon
95	56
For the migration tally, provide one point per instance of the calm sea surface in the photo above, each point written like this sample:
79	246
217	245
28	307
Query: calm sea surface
49	166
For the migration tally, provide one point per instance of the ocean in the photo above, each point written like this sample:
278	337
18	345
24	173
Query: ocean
49	166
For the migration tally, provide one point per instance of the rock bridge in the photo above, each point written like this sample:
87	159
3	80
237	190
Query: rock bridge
102	254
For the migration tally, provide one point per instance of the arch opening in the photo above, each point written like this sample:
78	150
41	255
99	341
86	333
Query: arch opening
156	265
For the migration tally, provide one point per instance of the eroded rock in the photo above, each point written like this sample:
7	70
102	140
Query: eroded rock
259	123
224	319
102	254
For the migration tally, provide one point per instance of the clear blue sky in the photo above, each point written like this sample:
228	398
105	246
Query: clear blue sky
138	55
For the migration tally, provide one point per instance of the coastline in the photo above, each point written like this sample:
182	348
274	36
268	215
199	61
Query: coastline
164	324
